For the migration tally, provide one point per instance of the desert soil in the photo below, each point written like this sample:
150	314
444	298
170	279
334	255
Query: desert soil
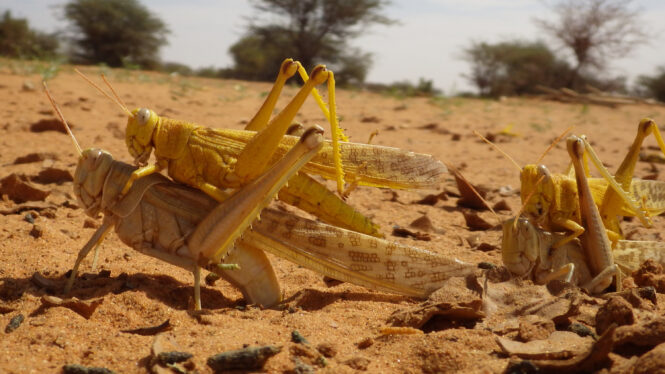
138	291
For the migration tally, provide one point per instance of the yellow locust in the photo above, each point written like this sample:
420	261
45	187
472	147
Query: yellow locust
213	160
527	249
551	200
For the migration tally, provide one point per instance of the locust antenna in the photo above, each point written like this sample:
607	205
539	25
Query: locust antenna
506	155
555	142
62	118
115	94
119	103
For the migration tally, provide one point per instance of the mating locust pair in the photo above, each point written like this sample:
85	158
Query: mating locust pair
203	225
560	208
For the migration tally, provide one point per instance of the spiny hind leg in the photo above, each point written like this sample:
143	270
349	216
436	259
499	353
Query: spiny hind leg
256	155
261	118
612	202
595	240
216	233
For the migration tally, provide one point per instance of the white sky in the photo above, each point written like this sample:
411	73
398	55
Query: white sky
427	42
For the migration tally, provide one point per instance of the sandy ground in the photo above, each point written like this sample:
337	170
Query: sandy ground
141	291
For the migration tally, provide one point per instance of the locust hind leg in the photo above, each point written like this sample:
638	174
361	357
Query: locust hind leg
256	155
594	240
612	202
216	233
261	118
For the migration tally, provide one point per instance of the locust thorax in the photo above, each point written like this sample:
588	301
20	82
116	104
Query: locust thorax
138	136
520	245
93	167
538	188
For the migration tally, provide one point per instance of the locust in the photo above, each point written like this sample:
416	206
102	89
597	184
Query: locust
187	228
527	248
213	160
551	200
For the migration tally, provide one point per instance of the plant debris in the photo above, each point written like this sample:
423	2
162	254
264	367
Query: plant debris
152	330
80	369
476	222
405	233
83	307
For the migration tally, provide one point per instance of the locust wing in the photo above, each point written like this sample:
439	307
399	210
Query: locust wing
352	257
630	254
649	194
365	164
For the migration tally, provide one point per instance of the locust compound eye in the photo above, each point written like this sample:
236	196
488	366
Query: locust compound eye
143	116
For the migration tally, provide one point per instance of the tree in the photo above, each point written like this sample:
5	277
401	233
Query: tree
115	32
595	31
513	67
310	31
654	86
18	40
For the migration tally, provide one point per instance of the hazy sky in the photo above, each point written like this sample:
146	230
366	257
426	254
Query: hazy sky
426	43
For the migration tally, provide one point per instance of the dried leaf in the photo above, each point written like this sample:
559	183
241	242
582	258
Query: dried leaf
152	330
471	196
559	345
476	222
459	298
84	308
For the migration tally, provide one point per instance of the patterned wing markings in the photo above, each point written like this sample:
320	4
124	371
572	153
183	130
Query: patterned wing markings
356	258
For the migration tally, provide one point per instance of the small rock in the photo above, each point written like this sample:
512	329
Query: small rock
422	223
506	191
14	323
249	358
80	369
296	337
428	200
476	222
358	363
18	189
501	205
370	119
90	224
485	247
535	330
652	362
365	343
37	231
28	86
51	124
327	349
53	175
168	358
29	217
615	311
456	137
651	274
35	157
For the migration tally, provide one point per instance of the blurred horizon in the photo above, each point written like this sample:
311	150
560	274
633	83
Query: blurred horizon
426	43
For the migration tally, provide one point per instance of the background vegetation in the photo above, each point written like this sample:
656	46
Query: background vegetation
578	40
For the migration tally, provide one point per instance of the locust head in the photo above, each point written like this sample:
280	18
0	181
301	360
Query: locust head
537	192
91	172
520	245
140	128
